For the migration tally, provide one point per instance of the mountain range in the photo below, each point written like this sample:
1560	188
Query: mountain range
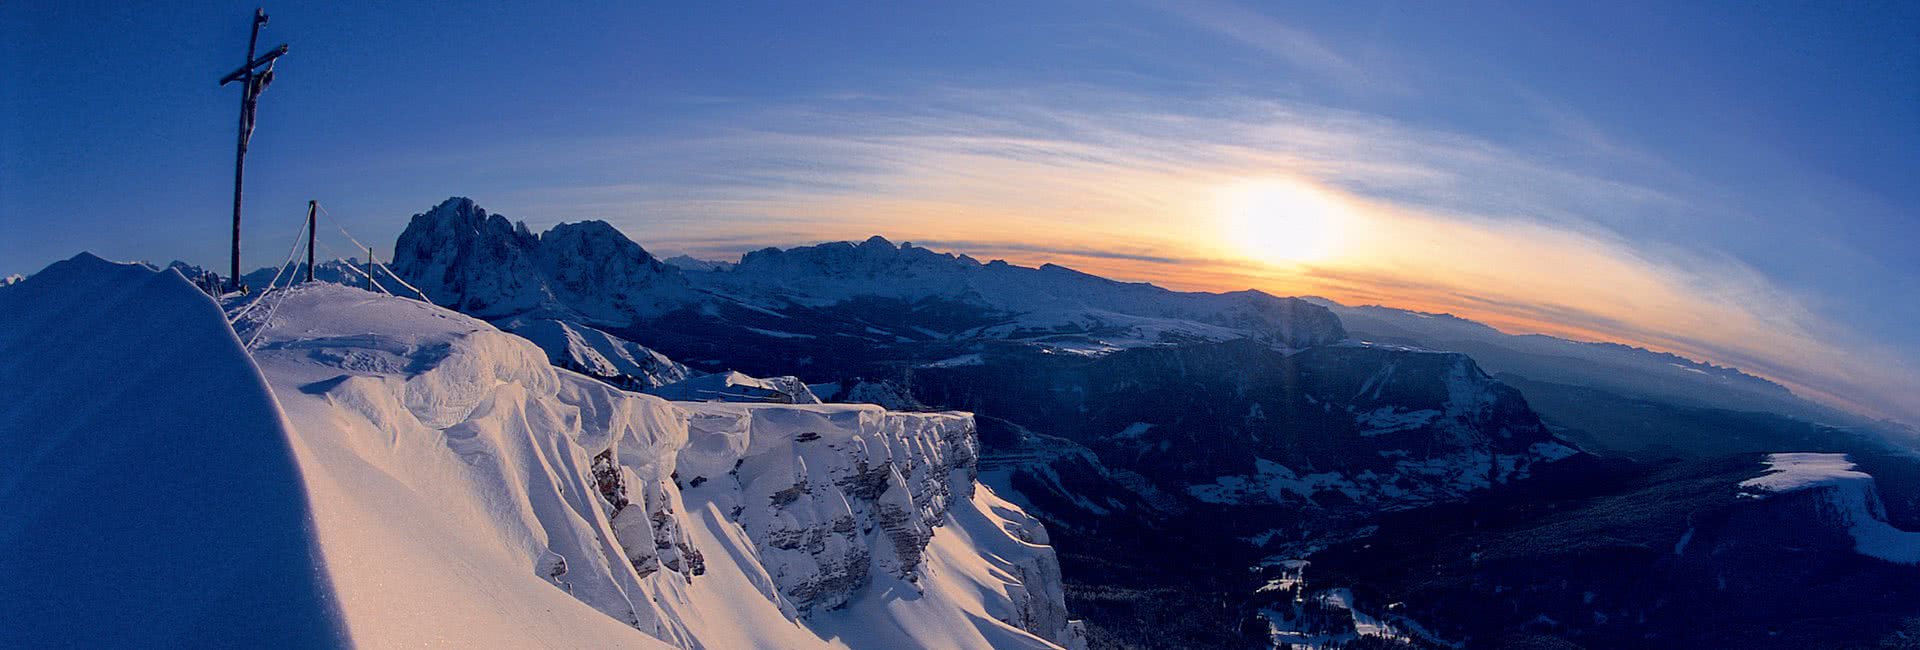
869	444
1178	442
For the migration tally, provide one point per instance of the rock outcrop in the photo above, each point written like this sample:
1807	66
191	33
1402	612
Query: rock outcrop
464	258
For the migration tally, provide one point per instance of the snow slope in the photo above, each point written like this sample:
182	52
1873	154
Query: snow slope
592	352
447	451
1850	499
151	495
382	472
735	387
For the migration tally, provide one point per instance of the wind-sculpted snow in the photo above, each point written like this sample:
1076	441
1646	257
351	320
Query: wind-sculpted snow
151	499
464	484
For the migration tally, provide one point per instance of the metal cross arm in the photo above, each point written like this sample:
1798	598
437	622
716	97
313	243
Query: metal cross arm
255	64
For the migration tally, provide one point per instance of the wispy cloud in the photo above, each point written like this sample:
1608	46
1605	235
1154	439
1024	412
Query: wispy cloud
1296	47
1127	185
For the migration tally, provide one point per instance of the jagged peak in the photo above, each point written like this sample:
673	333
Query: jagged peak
591	231
587	226
463	212
875	250
458	204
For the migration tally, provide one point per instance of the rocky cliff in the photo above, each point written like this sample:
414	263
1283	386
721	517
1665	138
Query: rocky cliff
699	524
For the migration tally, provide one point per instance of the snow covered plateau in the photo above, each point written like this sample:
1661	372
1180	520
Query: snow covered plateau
1847	498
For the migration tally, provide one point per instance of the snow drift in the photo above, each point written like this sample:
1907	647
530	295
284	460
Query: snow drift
151	496
463	491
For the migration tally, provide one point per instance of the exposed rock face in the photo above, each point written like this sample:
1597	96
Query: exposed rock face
862	495
593	268
484	265
471	261
1831	490
607	494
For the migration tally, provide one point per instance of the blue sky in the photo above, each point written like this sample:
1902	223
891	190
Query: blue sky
1748	165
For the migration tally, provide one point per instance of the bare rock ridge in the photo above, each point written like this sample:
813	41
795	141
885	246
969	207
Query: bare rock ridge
482	264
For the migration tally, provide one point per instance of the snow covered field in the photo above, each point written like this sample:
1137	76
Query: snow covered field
383	472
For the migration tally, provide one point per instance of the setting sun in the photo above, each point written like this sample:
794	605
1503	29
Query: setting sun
986	326
1282	220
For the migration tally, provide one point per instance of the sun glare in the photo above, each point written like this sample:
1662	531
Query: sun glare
1282	221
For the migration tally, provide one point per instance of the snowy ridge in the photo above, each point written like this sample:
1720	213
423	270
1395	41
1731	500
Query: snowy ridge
701	525
1033	301
1849	496
595	353
383	472
152	498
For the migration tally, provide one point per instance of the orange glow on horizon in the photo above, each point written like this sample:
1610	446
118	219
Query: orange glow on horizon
1288	235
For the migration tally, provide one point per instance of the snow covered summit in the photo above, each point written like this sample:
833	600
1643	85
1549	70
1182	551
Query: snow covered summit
380	471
